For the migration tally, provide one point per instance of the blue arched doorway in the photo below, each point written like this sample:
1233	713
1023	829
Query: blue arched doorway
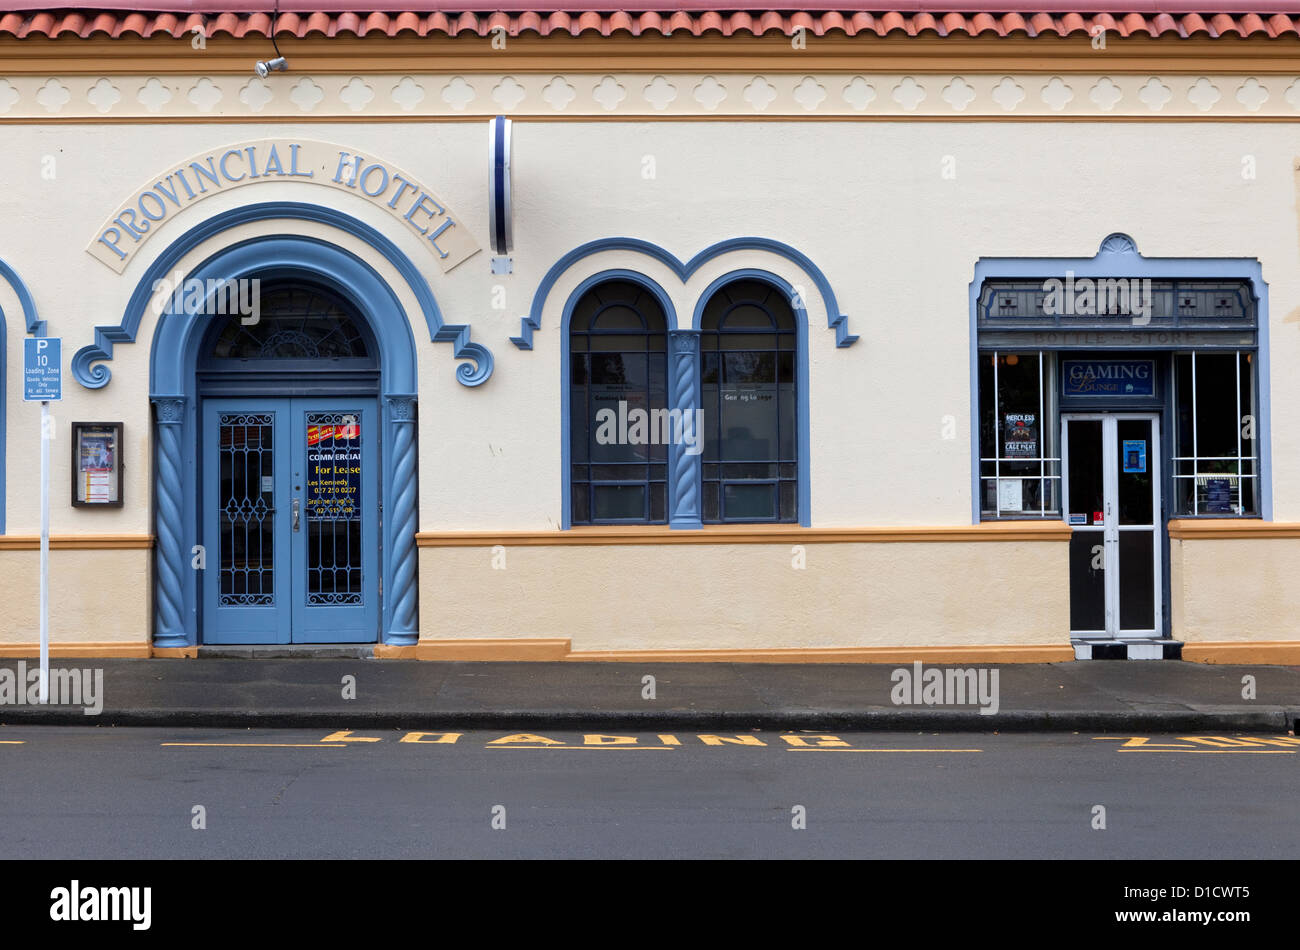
285	474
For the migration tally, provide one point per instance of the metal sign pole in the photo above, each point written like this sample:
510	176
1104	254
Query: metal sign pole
45	550
42	382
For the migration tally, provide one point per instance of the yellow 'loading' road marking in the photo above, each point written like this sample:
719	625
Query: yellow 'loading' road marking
260	745
1218	751
621	748
1196	744
883	750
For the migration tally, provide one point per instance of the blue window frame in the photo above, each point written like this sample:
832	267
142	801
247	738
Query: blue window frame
1212	305
749	396
1208	395
618	364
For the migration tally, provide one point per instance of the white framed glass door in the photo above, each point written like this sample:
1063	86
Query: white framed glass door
1111	467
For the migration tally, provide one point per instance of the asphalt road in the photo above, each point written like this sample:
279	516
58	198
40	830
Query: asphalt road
79	793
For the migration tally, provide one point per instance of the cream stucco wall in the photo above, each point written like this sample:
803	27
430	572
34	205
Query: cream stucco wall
867	202
749	596
95	596
1235	590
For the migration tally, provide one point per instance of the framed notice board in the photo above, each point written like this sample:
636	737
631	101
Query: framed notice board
97	464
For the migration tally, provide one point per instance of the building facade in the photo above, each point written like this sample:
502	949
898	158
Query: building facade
838	335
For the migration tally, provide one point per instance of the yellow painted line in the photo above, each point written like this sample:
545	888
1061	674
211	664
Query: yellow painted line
1216	751
260	745
1194	742
620	748
13	741
883	750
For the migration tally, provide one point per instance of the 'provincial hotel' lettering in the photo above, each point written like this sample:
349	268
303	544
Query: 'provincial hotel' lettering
287	161
212	170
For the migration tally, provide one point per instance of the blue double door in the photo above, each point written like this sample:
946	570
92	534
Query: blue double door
290	514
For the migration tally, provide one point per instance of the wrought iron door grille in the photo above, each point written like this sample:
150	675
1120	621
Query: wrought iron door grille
333	508
247	510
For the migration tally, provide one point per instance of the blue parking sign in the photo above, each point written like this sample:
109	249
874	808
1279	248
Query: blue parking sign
42	369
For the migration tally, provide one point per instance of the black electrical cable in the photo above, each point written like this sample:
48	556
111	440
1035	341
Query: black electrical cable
275	15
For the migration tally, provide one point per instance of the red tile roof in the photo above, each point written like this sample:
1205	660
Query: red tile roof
301	18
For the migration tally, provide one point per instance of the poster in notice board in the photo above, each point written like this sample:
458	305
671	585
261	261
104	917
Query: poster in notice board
97	464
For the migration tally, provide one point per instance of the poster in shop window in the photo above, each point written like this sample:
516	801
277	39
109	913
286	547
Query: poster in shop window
1135	455
1011	494
1218	496
334	470
1020	435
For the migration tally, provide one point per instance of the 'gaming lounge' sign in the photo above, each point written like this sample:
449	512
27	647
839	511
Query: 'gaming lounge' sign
1108	377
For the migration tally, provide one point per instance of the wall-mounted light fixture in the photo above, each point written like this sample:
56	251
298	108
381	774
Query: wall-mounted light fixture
267	66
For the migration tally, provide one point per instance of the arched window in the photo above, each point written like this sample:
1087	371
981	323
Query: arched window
618	368
293	322
748	391
298	330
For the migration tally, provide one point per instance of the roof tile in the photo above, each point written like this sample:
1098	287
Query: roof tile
924	21
254	23
106	23
287	23
1135	23
1014	22
373	23
833	20
1222	24
41	23
956	23
318	22
708	21
70	23
90	21
1164	23
889	22
810	24
680	20
407	20
862	22
1278	25
1072	23
1042	23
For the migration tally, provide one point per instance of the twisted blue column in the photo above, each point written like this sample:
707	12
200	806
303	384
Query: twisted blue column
684	470
402	586
169	552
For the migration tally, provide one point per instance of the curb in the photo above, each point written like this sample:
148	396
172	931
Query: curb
1262	719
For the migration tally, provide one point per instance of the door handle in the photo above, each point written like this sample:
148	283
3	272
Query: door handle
295	514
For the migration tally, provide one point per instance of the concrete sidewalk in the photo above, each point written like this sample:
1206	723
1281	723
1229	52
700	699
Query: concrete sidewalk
1135	697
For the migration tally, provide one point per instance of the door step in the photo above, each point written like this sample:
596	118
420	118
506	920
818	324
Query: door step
282	651
1142	648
